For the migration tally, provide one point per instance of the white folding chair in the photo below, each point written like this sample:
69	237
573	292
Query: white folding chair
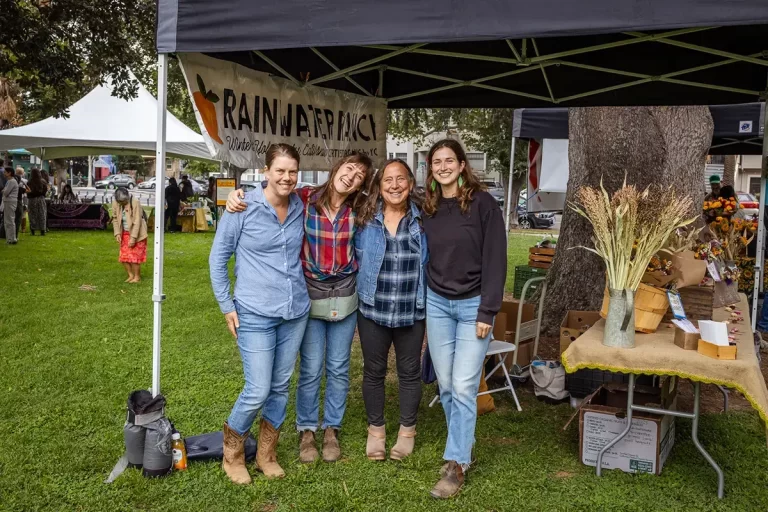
500	349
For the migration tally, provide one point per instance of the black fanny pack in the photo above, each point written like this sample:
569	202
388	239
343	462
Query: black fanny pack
342	287
332	300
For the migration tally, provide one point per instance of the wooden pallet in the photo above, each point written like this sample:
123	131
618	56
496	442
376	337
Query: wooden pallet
539	264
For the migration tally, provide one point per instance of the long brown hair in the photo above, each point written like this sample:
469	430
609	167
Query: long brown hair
466	190
371	204
322	194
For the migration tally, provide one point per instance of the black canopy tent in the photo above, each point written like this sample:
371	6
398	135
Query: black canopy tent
485	53
738	128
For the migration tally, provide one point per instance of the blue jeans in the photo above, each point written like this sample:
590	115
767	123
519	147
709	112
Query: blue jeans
268	347
325	344
457	355
762	323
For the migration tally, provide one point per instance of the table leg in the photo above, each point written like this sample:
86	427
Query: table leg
725	398
630	397
695	436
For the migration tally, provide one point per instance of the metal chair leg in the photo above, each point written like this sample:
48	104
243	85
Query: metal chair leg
509	383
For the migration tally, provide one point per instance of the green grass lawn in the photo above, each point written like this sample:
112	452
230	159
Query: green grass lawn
70	357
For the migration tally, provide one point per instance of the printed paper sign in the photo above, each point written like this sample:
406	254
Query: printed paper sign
676	304
241	112
223	187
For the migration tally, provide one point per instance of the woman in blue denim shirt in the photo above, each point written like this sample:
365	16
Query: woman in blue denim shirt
270	308
391	250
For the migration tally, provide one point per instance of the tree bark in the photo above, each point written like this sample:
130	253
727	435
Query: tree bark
647	145
729	170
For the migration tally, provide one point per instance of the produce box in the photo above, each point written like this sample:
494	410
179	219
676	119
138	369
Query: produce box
647	445
574	324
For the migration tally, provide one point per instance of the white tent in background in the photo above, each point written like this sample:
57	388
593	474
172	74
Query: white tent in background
101	123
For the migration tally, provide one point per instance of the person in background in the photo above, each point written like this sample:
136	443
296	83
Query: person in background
130	230
211	194
10	202
37	189
172	204
392	252
330	270
187	191
67	195
727	192
714	185
269	311
465	274
51	190
21	208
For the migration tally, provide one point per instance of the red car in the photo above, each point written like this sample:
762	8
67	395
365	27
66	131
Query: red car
749	204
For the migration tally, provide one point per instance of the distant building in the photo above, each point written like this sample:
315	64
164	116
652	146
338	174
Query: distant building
26	160
416	156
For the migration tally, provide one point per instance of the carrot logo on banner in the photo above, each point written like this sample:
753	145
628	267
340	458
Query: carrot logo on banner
241	112
204	101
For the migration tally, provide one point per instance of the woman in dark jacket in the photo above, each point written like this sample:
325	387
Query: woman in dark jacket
37	189
172	202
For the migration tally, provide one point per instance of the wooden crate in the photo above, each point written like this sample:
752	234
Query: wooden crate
697	301
541	257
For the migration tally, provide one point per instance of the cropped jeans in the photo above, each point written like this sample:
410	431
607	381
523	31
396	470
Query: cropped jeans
268	347
457	355
325	345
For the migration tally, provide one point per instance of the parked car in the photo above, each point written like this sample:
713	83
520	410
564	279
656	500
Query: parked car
150	183
527	220
496	190
749	204
115	181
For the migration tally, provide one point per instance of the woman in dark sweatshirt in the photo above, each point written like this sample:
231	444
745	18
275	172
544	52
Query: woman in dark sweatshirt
465	277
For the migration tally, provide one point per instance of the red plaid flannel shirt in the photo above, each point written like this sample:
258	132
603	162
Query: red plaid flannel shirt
328	249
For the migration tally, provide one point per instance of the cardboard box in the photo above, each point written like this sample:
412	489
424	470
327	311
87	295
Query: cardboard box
647	445
574	324
504	330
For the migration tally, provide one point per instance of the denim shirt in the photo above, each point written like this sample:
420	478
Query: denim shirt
268	277
370	245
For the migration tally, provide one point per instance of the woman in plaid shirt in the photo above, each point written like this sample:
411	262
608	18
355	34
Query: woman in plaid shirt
392	251
330	268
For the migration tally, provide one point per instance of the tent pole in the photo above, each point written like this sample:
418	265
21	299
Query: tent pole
759	267
509	187
157	279
90	171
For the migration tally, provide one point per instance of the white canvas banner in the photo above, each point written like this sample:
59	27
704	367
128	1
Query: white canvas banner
241	112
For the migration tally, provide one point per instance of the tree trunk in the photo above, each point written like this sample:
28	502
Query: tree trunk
648	145
729	170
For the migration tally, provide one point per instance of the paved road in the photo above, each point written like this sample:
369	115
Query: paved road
146	196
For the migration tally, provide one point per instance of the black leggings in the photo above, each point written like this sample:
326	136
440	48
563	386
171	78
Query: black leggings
172	213
375	341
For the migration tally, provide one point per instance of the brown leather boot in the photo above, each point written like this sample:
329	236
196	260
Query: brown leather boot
307	449
451	483
375	447
266	452
444	469
405	442
234	456
331	448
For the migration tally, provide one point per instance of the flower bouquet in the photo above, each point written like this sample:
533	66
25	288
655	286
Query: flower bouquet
733	235
629	228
